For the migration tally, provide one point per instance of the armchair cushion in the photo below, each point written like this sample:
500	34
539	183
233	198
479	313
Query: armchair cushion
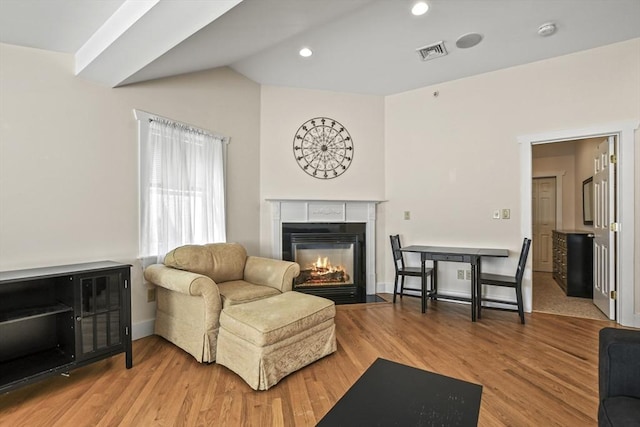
619	377
619	411
237	292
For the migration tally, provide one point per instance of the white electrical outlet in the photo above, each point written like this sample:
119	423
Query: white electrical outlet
461	274
407	215
496	214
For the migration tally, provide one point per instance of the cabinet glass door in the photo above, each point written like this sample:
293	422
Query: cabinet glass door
100	313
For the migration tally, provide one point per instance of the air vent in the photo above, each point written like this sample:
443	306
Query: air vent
432	51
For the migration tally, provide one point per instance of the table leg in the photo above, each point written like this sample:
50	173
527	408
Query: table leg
474	288
479	289
434	281
423	277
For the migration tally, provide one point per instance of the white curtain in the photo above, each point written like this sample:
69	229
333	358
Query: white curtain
181	188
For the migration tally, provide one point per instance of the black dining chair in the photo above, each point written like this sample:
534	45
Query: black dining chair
402	271
507	281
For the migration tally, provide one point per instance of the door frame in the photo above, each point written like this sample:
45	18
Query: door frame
625	204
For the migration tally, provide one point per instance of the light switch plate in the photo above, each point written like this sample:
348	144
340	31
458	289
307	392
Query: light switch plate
496	214
506	213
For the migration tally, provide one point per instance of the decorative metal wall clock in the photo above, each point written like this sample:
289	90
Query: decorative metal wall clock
323	148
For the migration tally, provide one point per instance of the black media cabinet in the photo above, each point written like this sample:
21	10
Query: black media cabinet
55	319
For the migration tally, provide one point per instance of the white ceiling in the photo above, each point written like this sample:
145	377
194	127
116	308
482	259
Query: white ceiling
362	46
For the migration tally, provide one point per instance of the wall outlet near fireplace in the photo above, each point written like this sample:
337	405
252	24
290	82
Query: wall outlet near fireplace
461	274
407	215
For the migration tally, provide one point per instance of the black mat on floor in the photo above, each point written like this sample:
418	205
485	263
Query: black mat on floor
355	300
375	298
392	394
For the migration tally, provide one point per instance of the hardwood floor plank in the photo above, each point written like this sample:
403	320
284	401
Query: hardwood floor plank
277	416
541	373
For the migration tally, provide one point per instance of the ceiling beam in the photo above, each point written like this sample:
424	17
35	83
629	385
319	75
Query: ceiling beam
139	33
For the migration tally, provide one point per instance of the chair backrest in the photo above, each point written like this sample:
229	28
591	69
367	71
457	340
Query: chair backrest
526	243
398	260
219	261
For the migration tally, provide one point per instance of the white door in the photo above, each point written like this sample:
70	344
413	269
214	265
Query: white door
544	222
604	244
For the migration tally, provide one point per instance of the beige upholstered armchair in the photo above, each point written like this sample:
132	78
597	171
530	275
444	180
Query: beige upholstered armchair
197	281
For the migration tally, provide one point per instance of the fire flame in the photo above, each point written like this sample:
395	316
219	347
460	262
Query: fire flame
324	265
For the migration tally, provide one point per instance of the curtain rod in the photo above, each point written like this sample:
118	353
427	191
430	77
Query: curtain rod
142	115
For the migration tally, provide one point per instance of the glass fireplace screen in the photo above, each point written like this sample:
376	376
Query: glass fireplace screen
324	263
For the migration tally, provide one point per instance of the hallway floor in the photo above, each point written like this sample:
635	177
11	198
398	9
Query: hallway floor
548	297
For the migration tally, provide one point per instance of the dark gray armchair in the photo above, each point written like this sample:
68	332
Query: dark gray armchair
619	377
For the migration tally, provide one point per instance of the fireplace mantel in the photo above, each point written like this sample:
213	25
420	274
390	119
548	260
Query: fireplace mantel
306	211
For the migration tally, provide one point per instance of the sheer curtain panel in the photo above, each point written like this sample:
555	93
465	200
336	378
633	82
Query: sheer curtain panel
181	188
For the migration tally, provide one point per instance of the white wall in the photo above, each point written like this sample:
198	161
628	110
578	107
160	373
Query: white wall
559	158
585	154
68	160
454	158
283	111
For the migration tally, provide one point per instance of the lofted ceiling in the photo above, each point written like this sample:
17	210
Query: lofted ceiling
361	46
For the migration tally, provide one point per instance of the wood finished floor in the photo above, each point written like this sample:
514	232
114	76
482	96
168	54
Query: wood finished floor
543	373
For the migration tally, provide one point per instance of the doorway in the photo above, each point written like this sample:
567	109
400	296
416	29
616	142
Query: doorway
625	283
558	171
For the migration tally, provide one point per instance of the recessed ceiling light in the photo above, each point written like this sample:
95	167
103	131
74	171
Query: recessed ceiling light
547	29
305	52
468	40
420	8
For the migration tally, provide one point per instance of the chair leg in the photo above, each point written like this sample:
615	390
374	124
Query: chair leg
520	304
395	288
479	301
432	288
401	286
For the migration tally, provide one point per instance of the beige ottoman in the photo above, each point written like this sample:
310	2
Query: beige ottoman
263	341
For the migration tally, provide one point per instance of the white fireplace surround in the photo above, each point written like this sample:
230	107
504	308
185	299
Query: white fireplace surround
309	211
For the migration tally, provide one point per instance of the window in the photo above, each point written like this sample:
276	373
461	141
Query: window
181	186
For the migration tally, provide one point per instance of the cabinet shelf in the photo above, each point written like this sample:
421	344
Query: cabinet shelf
42	362
32	312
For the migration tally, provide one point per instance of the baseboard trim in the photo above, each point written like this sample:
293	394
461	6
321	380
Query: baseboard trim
142	329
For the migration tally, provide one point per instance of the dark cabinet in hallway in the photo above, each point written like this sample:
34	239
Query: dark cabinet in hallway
573	262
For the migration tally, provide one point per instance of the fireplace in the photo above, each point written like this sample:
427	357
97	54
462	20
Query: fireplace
293	216
331	258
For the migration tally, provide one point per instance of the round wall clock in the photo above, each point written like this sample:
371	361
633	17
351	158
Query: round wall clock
323	148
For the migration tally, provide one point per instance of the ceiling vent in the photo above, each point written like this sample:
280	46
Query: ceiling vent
432	51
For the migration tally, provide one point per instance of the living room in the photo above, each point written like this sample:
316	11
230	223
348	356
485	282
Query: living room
448	153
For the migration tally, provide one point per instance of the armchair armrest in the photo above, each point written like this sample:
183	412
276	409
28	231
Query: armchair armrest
182	281
275	273
619	363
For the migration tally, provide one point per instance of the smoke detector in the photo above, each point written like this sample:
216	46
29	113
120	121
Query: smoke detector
432	51
547	29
